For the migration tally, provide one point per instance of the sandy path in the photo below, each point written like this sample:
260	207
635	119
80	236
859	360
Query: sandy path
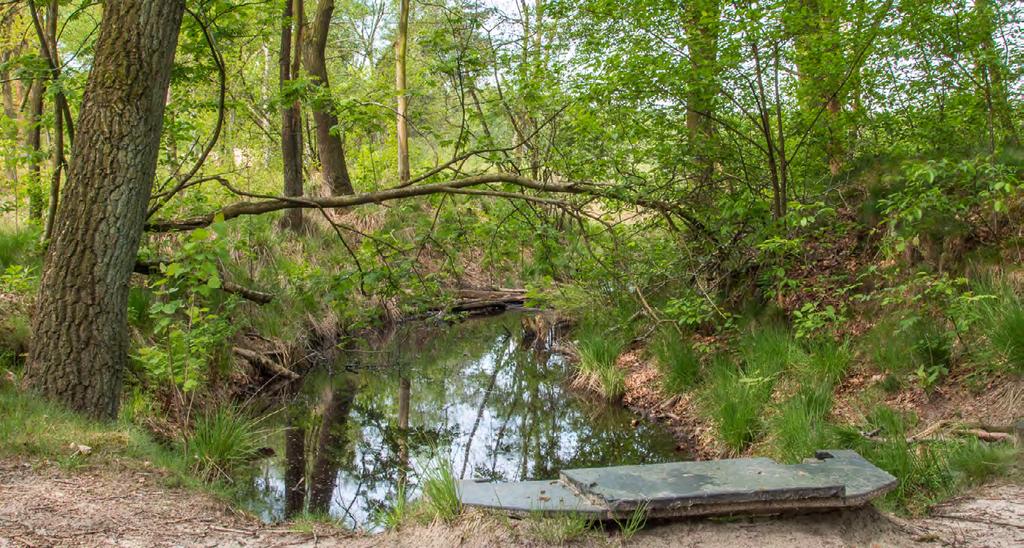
46	506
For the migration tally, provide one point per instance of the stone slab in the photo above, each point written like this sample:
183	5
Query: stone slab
832	479
862	479
526	497
700	483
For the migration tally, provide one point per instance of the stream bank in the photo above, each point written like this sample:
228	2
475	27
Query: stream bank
42	505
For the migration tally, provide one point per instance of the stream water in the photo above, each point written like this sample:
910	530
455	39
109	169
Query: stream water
481	396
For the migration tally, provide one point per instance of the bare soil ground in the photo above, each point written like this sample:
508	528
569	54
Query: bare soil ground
42	505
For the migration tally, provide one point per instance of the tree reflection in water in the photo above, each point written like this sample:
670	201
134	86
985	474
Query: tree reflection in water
474	393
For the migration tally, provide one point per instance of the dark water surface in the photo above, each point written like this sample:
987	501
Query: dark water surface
480	397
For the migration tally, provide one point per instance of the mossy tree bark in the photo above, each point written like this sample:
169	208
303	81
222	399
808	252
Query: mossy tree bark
80	335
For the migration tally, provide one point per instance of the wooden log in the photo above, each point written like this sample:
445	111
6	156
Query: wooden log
265	363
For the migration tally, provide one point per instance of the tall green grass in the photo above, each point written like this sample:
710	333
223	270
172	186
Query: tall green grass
735	402
736	395
222	442
19	247
1002	323
678	361
900	345
927	472
440	492
800	426
599	345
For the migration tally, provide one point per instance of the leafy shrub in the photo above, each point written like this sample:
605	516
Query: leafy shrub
679	362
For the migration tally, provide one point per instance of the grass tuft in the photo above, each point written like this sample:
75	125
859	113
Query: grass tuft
440	492
222	442
599	346
927	472
1003	323
679	362
559	529
735	402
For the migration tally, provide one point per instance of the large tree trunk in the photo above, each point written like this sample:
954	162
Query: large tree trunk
80	333
400	88
291	130
329	147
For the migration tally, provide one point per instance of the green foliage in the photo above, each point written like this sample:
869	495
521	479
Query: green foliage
20	248
440	492
812	319
678	361
560	529
635	522
927	472
1003	326
935	198
800	426
191	323
394	517
599	345
690	309
735	402
223	441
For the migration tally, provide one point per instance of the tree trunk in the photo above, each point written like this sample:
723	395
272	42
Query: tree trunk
329	147
400	88
291	132
702	42
59	102
7	90
32	143
992	73
80	332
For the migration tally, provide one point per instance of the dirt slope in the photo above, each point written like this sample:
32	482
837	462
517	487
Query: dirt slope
46	506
